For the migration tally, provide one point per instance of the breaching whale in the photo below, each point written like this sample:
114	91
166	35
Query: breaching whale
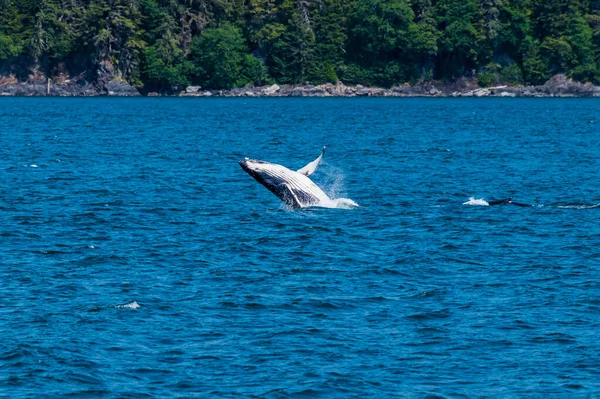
294	188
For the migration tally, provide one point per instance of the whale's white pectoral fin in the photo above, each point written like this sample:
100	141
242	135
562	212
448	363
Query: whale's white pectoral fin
311	167
290	196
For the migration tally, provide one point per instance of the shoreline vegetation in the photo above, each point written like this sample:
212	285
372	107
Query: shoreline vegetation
558	86
478	48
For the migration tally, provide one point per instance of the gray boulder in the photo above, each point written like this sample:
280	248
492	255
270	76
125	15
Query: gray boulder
561	86
117	87
192	89
269	91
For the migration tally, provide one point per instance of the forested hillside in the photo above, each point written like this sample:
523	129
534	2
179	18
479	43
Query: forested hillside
164	44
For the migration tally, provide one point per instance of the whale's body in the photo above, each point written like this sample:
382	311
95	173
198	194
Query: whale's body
294	188
504	201
507	201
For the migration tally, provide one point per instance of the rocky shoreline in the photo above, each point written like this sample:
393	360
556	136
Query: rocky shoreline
10	87
557	86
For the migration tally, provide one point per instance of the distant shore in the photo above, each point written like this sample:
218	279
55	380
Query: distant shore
557	86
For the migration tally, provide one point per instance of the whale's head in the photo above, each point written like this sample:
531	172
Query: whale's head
253	167
263	172
279	180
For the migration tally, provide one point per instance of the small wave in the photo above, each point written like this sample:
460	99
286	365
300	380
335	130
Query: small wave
476	202
579	206
128	305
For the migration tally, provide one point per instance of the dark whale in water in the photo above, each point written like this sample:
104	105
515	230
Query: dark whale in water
294	188
507	201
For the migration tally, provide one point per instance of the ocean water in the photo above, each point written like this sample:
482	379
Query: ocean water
138	260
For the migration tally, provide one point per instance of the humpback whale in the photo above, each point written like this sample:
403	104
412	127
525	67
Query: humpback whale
294	188
504	201
507	201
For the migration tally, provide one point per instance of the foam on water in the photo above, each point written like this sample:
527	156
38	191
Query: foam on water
128	305
334	203
579	206
332	183
476	202
339	203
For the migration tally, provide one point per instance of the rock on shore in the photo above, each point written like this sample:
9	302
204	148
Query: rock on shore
68	88
101	81
557	86
104	83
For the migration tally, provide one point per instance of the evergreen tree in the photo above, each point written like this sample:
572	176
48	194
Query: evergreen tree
11	31
165	44
330	18
460	39
221	59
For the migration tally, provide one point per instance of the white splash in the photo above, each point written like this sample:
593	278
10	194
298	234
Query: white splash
476	202
33	165
129	305
579	206
333	185
338	203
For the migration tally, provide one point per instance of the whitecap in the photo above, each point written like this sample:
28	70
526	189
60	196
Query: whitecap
583	206
33	165
128	305
476	202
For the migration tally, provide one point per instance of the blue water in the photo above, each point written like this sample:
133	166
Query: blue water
138	260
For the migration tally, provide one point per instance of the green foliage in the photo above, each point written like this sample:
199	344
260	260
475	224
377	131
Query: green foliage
163	72
293	53
427	75
355	74
254	70
166	44
511	74
460	38
330	32
487	78
558	53
387	43
535	69
580	35
585	73
381	30
322	72
494	74
221	59
8	48
11	31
